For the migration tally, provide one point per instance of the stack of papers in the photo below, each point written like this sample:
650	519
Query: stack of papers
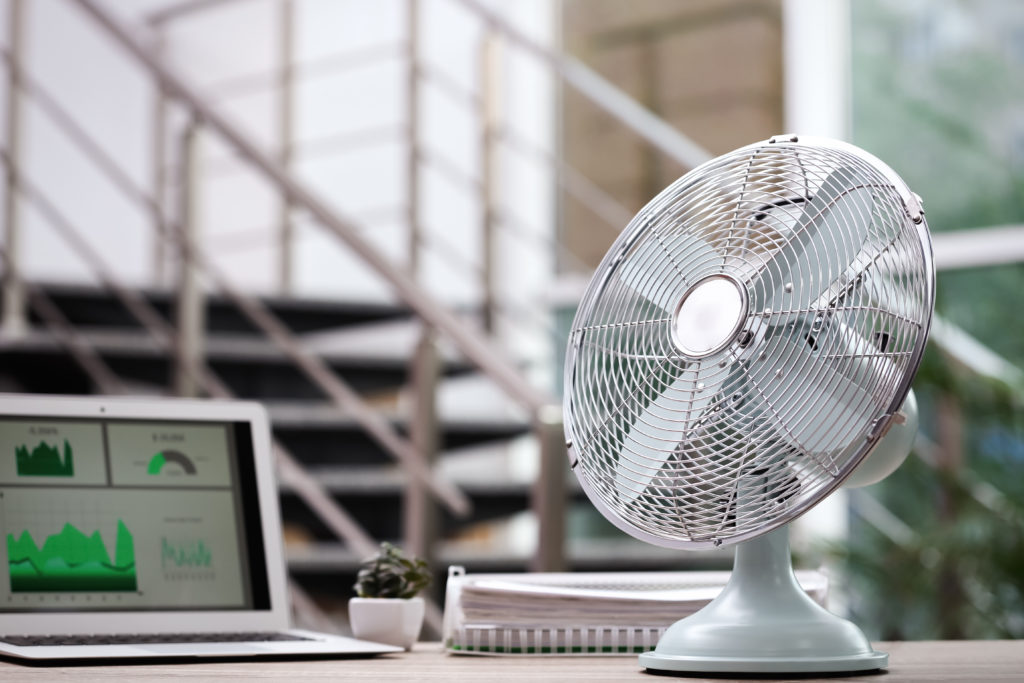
578	613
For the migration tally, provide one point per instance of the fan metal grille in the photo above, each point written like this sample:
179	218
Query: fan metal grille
692	451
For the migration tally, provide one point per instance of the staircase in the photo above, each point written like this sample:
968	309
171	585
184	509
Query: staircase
359	394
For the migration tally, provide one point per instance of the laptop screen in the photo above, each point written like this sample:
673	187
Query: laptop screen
125	515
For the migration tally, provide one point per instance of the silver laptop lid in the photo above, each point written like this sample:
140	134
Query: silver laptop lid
137	515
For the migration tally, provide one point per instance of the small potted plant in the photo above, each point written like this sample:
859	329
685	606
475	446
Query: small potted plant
387	609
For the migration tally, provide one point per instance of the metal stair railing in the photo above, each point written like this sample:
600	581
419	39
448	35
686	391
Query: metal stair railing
343	396
307	487
250	306
604	95
476	349
497	305
484	356
655	130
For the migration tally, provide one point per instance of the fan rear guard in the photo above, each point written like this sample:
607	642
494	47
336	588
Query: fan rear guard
746	341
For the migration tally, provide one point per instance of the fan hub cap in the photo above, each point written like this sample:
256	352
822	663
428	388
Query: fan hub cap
709	316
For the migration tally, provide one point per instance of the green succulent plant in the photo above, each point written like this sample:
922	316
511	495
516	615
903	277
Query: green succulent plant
390	574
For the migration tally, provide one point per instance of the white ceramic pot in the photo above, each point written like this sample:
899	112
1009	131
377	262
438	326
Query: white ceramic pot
394	621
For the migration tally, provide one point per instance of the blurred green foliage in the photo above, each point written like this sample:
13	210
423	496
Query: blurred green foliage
960	575
938	93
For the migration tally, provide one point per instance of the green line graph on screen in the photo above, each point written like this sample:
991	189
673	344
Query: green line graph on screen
44	461
71	561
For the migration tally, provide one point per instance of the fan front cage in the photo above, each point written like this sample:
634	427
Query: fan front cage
746	341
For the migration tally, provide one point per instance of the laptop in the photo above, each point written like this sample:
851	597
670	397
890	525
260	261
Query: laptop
144	528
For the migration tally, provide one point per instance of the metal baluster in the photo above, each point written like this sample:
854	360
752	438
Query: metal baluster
413	133
420	519
15	320
286	135
191	304
490	121
159	170
549	490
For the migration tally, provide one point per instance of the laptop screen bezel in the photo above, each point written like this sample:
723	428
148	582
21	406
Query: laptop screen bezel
156	621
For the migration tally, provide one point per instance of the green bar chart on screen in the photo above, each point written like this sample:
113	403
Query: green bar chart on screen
185	554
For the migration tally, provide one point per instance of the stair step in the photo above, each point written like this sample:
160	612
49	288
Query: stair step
227	346
252	366
497	477
387	481
94	306
506	469
299	415
320	436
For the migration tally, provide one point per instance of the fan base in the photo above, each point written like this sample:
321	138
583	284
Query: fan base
763	622
871	661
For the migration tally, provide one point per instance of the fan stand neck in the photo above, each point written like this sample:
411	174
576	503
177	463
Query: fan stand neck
763	622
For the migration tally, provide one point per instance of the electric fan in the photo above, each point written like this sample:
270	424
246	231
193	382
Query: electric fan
745	347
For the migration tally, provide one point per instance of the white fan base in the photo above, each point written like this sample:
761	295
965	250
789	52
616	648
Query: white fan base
753	665
763	622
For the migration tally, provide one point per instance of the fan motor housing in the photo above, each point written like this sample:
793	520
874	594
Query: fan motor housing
709	316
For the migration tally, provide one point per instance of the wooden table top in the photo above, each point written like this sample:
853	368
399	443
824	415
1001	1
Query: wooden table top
908	661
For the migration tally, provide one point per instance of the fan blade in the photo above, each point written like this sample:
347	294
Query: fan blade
883	291
820	388
652	267
886	285
656	433
821	248
751	248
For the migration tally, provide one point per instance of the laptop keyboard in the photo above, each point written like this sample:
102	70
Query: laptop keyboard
150	638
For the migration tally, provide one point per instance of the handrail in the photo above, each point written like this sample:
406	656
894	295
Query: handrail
184	8
479	351
601	92
316	147
601	203
322	67
604	206
677	146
